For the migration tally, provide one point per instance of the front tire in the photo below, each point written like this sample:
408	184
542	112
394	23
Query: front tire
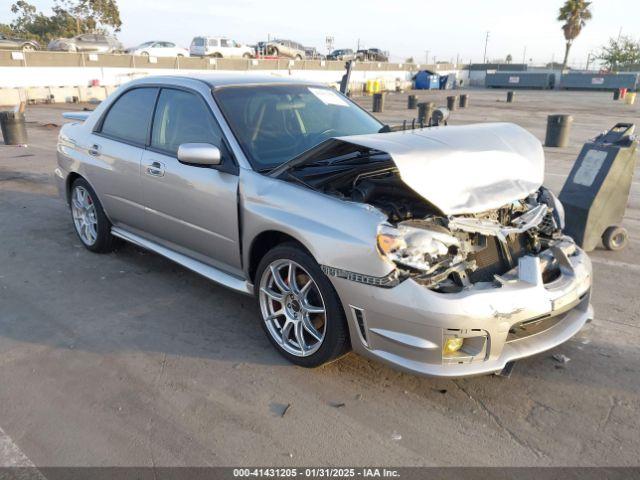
89	220
301	312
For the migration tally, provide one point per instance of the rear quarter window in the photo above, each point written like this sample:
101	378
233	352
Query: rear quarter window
129	117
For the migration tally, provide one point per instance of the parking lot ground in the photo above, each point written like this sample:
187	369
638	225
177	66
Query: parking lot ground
128	359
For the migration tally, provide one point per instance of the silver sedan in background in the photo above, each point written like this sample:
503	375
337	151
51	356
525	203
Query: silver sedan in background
436	250
87	42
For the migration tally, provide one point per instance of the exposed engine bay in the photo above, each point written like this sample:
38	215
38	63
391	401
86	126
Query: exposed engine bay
446	253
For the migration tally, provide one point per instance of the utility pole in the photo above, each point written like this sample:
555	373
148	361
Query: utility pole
524	55
427	57
486	41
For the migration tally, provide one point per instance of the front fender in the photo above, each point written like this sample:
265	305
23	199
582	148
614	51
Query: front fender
337	233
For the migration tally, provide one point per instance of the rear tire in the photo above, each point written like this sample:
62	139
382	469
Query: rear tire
311	307
91	225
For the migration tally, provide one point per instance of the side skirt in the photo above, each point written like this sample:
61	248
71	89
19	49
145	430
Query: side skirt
207	271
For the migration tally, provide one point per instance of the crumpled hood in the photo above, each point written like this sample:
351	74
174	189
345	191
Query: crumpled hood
464	169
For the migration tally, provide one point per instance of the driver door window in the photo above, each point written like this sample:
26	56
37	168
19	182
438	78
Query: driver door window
182	117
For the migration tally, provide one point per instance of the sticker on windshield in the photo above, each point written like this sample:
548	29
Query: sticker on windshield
328	97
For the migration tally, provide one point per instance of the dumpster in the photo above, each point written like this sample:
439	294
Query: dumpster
596	192
426	80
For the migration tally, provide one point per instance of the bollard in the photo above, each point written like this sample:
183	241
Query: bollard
464	100
510	95
451	102
14	130
623	93
558	128
616	94
424	112
412	102
378	102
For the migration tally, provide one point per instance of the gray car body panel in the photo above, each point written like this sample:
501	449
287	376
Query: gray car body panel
405	325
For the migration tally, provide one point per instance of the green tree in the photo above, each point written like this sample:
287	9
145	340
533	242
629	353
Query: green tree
69	18
91	15
409	60
509	58
574	14
620	53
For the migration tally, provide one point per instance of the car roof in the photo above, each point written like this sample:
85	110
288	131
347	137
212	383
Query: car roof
218	80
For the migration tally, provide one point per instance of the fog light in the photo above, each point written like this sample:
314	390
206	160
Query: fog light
452	345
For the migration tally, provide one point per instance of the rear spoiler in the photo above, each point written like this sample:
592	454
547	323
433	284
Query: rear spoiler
81	116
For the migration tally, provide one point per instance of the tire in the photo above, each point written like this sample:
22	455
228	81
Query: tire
144	54
28	47
180	55
86	211
315	292
274	52
247	56
615	238
298	57
217	55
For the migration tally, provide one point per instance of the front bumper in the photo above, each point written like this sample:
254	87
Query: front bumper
406	325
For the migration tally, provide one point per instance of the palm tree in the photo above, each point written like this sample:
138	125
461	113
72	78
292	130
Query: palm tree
574	14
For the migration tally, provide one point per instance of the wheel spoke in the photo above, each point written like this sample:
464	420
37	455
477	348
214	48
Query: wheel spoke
286	330
277	279
312	309
298	331
308	326
278	297
304	290
274	316
291	278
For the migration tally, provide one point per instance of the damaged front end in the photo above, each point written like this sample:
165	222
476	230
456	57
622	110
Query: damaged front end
450	253
463	204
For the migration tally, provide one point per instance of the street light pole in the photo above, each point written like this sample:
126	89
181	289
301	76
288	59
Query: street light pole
486	41
427	57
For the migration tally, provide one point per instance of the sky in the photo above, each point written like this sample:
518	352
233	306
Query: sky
409	28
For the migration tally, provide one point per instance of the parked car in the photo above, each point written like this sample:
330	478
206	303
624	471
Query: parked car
219	47
14	43
372	55
438	252
158	49
342	54
285	48
311	53
87	42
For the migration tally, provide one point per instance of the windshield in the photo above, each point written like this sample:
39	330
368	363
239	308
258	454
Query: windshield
276	123
146	44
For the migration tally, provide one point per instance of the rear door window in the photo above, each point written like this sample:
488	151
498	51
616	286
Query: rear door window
129	118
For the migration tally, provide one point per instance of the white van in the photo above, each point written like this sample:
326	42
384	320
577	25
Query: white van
219	47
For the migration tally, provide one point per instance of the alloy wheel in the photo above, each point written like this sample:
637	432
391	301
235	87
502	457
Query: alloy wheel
292	308
83	211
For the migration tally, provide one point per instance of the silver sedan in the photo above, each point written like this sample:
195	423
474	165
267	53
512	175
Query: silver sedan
436	250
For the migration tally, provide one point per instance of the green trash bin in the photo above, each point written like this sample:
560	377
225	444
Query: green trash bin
596	192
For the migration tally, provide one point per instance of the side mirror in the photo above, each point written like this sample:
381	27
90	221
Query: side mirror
199	154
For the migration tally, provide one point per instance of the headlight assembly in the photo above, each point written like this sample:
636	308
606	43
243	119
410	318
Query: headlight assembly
425	248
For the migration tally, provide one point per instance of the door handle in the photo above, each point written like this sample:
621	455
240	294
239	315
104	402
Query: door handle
155	169
94	150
